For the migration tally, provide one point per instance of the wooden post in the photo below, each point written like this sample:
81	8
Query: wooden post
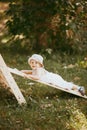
10	82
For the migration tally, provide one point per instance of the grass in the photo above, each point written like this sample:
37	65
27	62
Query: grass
47	108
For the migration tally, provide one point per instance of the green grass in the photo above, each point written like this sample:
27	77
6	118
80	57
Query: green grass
47	108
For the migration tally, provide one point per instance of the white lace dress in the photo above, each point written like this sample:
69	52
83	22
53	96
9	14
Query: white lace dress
52	78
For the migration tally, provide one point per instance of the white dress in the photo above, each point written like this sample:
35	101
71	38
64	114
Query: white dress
52	78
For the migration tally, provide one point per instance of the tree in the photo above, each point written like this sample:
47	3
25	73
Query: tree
55	24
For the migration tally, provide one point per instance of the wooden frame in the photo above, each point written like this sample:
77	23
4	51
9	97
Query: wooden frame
8	81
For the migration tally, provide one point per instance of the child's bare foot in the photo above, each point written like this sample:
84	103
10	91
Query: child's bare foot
74	88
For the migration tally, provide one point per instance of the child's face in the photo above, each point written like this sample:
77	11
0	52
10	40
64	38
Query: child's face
34	64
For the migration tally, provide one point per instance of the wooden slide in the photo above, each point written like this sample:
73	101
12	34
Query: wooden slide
16	71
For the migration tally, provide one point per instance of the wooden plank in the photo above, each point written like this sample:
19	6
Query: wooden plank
11	82
3	82
16	71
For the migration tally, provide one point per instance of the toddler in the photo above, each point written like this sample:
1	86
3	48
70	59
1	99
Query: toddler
38	72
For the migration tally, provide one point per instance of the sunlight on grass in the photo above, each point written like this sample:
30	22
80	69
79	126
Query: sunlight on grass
47	108
78	120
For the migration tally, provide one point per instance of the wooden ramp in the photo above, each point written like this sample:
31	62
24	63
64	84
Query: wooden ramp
7	80
16	71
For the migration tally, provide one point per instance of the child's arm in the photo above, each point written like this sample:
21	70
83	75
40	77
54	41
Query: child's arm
29	74
27	71
34	77
39	73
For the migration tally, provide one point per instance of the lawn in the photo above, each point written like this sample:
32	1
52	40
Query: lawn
47	108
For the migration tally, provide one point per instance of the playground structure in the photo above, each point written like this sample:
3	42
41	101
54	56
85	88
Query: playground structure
8	82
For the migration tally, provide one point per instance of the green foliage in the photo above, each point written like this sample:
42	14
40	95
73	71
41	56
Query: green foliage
78	120
47	108
55	24
83	63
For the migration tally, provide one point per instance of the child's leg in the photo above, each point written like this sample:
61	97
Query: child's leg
59	81
80	89
75	87
69	85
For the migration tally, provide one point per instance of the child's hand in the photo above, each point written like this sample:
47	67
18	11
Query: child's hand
26	71
23	71
25	76
28	76
32	77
